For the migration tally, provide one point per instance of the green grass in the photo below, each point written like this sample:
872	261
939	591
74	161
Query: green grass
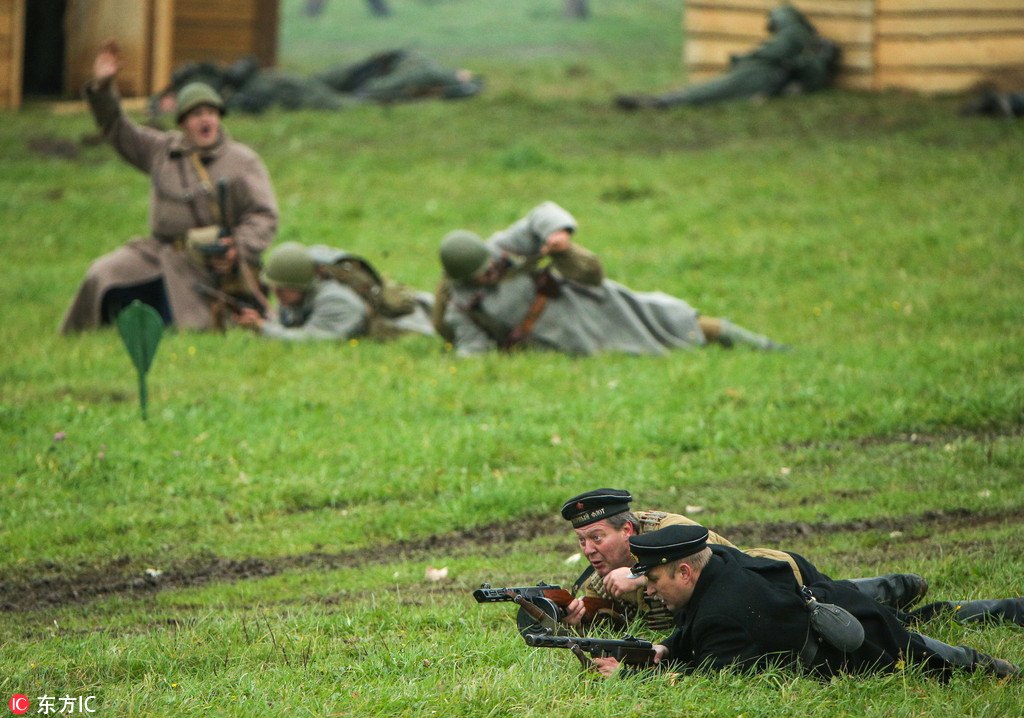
293	496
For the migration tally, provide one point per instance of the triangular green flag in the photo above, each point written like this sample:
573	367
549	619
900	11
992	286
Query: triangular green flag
140	327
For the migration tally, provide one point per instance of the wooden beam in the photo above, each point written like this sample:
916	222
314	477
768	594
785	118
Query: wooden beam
853	8
932	6
266	30
952	23
162	51
951	52
17	53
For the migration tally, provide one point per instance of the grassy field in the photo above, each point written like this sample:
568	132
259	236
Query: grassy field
259	546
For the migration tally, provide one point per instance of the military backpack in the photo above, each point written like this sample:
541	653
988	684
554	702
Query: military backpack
385	297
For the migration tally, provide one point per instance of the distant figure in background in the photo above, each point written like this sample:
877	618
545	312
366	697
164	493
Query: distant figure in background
577	9
379	7
392	76
314	8
992	103
212	212
500	294
794	59
326	293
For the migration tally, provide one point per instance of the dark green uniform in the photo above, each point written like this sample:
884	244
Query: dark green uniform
794	59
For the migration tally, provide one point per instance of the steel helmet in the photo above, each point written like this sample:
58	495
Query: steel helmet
195	94
463	255
289	267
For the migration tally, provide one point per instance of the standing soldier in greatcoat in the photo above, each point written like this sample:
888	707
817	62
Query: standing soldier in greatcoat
212	213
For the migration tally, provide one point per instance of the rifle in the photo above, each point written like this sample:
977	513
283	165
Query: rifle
629	651
215	295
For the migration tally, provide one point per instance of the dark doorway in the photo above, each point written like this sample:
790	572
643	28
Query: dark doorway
43	72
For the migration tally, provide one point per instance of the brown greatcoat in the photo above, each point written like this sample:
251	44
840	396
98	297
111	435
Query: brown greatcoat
180	200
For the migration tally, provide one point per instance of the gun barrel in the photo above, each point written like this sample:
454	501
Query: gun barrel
546	640
629	650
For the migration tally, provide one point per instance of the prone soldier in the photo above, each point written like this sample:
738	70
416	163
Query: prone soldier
324	293
738	611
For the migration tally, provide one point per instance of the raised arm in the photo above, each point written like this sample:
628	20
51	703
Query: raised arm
133	142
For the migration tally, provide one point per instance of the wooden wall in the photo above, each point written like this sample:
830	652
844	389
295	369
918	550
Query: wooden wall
926	45
940	45
225	31
90	23
155	36
12	51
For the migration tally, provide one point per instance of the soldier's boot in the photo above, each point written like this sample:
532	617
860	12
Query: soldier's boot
731	334
896	590
999	667
966	658
993	610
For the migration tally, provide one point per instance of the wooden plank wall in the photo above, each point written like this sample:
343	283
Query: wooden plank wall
225	31
924	45
89	24
946	45
12	51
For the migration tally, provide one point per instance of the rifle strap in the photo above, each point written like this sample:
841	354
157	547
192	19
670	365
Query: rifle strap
578	584
207	184
517	335
248	274
540	300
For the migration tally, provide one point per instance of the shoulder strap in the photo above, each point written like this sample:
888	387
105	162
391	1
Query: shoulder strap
578	583
519	334
207	184
546	288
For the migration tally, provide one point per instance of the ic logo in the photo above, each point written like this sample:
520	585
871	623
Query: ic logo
18	704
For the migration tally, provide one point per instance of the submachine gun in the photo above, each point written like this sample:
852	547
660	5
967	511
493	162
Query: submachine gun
628	651
542	607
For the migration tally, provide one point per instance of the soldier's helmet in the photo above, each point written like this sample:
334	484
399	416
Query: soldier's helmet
463	255
195	94
289	267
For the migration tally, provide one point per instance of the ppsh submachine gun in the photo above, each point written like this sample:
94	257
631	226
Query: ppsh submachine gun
628	650
542	608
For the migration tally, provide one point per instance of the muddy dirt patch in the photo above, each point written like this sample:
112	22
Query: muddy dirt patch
56	586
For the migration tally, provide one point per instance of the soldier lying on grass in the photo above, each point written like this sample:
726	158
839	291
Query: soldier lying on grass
605	523
326	293
501	294
738	611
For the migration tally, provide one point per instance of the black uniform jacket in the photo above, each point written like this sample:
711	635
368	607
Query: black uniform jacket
747	612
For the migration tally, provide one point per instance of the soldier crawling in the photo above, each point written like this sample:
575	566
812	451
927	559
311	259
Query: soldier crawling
498	295
314	304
